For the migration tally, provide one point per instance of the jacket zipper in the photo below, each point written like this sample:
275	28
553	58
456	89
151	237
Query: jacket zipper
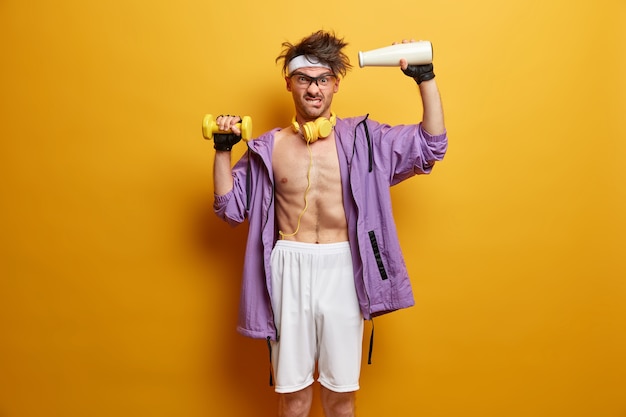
370	168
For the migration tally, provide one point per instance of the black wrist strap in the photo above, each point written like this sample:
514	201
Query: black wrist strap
225	141
420	73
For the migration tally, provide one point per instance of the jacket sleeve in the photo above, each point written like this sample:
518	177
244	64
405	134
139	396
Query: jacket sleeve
408	150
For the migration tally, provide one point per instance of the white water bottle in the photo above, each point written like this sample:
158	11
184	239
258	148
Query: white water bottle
416	53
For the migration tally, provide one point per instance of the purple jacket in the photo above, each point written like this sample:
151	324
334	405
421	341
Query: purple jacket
372	157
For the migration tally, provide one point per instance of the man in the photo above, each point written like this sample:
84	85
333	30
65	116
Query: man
322	252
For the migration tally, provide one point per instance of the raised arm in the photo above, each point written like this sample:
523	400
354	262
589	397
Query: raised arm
222	173
222	167
424	76
432	119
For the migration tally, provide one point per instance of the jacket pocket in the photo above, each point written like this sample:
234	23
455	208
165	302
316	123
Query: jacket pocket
377	256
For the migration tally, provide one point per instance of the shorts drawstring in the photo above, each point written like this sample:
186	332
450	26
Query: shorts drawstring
269	347
369	355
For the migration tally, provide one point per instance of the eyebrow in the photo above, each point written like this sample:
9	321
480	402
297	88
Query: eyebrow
330	74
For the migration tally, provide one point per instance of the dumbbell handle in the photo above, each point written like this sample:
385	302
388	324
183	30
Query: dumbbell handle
210	127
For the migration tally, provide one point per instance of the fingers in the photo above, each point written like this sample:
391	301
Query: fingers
228	123
403	63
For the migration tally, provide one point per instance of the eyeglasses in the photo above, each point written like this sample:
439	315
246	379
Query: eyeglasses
304	81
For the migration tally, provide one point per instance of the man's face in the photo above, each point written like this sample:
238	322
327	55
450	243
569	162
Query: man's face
312	90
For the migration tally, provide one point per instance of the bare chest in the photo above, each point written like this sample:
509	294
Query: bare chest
298	167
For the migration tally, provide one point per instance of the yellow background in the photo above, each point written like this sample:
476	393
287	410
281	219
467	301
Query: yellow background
119	287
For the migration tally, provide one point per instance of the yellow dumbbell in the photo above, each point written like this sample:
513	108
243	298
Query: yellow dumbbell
209	127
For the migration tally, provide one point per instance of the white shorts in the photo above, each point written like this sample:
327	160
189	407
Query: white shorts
317	316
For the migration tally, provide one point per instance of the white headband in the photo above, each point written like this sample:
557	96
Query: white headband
302	61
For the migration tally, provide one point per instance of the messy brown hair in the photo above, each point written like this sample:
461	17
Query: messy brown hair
324	46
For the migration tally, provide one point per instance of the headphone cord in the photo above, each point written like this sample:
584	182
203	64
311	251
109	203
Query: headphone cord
306	192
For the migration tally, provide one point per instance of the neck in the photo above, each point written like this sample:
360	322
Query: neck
327	114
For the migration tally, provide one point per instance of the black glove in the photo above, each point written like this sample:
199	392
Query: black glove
225	141
420	72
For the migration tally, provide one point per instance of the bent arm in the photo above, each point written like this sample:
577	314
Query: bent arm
222	167
222	173
432	119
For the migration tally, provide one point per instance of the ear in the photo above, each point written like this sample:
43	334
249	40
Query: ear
336	88
288	83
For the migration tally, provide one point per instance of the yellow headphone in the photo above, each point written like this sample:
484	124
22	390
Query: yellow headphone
312	131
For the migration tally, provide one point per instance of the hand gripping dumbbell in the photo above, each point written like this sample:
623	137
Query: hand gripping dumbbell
209	127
